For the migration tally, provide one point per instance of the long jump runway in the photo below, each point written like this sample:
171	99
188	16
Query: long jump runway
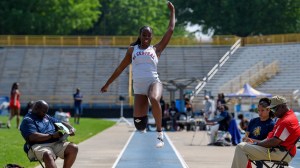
140	151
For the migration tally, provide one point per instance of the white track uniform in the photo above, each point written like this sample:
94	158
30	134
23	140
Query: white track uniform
144	69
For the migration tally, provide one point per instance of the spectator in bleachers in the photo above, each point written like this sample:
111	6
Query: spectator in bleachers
77	105
14	104
146	84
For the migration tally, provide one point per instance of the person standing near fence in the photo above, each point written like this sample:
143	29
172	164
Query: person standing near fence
146	84
14	104
77	106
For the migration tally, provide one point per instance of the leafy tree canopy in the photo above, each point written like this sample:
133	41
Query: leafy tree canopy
125	17
241	17
47	16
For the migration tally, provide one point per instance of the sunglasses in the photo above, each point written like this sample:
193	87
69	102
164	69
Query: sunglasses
274	109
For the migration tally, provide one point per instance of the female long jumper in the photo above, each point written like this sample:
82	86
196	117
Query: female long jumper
146	84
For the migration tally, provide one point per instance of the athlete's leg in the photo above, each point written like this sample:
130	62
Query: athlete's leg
141	107
79	114
11	116
76	112
18	117
155	93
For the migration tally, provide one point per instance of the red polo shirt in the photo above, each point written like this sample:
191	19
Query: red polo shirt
287	129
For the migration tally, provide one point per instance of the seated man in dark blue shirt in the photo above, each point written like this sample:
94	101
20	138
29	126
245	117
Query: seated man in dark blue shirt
38	130
219	123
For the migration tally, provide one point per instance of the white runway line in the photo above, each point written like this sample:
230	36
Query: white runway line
183	163
122	152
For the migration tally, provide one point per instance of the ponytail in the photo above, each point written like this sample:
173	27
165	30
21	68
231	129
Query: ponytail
137	42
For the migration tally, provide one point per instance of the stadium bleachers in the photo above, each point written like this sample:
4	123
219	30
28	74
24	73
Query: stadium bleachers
53	73
187	63
284	83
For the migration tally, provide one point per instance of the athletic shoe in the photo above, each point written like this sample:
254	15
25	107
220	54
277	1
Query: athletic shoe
8	125
160	140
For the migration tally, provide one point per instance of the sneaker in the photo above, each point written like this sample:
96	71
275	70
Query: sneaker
8	125
160	140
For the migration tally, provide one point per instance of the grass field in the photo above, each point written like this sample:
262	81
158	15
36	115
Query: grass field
11	141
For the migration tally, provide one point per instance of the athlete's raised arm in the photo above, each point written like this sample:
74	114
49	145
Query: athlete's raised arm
166	38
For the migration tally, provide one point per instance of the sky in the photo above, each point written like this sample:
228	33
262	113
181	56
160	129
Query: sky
199	35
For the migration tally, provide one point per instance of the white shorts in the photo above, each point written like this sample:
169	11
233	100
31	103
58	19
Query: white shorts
142	85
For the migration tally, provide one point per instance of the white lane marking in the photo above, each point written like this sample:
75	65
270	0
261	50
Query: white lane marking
124	148
183	163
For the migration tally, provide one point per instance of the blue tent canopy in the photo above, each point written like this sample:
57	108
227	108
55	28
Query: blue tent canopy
4	103
248	91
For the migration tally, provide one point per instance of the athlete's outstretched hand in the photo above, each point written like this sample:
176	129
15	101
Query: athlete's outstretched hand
170	6
104	88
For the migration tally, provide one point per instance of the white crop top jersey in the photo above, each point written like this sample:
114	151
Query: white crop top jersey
144	63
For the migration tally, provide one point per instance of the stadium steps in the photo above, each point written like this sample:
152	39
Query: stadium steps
12	65
284	82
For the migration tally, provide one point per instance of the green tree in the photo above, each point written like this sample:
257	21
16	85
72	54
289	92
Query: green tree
241	17
125	17
55	17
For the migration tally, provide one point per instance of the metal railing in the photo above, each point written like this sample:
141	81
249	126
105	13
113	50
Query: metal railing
255	75
272	39
68	100
95	41
215	69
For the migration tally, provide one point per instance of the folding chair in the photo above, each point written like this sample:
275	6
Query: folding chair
26	148
277	163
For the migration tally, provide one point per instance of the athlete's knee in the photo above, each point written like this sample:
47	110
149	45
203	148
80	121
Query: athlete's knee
140	122
154	99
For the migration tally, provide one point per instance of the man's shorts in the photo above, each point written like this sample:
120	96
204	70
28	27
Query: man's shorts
142	85
55	149
78	110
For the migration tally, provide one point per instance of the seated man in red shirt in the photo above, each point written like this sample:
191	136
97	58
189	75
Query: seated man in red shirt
282	138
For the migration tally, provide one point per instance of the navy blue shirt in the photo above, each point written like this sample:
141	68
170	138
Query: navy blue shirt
224	123
77	96
259	129
33	124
